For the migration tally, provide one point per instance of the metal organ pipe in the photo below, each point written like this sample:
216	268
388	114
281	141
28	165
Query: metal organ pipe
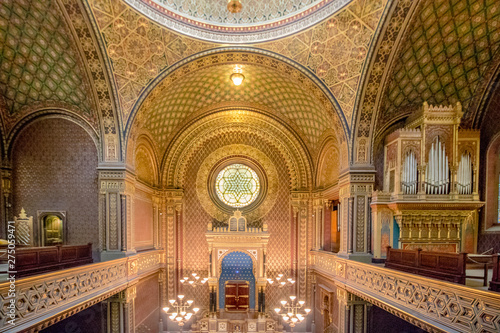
437	175
464	177
409	176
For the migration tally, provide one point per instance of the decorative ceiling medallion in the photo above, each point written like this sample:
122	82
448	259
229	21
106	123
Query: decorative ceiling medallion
258	21
234	6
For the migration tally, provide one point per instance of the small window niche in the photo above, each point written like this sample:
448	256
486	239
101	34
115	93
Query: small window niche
52	226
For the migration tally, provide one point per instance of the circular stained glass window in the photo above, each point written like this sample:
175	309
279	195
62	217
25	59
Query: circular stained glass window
237	185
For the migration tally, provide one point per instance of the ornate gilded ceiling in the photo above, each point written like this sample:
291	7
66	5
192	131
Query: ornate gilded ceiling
368	62
446	57
334	50
39	63
211	87
259	20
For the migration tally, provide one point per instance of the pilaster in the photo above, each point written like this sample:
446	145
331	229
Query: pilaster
171	224
116	191
302	204
353	313
6	200
121	311
356	188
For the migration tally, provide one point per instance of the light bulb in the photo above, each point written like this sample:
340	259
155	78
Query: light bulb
182	281
183	313
294	319
190	302
283	283
203	281
178	318
285	318
196	310
172	301
181	296
283	303
194	274
165	309
277	310
293	298
280	275
237	78
301	303
191	282
307	310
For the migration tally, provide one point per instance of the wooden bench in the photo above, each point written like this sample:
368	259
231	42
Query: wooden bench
439	265
37	260
495	281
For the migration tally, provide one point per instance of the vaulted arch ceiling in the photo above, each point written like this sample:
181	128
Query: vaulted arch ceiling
40	63
439	51
49	60
263	127
174	101
334	50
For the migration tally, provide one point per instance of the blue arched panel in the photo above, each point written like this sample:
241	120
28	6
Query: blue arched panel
236	266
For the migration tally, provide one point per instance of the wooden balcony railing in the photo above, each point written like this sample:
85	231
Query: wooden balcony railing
495	282
439	265
38	260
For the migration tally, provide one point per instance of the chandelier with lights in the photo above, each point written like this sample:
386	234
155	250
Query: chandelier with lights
291	311
180	312
281	281
194	282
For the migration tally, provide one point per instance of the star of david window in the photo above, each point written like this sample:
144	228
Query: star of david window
237	185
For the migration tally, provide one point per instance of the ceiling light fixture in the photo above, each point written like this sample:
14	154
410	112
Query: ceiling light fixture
237	77
234	6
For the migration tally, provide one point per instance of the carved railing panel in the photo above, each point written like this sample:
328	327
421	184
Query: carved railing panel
54	296
433	305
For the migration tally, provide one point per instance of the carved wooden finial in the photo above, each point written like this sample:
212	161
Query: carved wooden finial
22	215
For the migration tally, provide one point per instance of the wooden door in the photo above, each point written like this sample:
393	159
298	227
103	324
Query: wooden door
237	296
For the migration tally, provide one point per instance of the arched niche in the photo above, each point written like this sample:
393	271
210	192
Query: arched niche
58	173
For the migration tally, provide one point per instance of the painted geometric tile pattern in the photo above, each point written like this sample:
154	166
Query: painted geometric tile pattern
211	85
253	11
38	62
138	48
336	49
445	56
195	258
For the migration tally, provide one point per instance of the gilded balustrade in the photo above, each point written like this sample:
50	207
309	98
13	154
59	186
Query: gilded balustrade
433	305
45	299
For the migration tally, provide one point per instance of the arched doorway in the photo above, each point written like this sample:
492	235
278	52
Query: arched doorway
238	281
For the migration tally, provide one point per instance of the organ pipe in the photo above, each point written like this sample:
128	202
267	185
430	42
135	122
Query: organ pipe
437	174
464	175
409	177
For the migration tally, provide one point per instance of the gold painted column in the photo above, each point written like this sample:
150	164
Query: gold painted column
116	191
121	311
6	200
355	195
302	204
173	204
353	313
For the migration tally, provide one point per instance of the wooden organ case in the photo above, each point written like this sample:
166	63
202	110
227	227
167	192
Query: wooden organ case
430	198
